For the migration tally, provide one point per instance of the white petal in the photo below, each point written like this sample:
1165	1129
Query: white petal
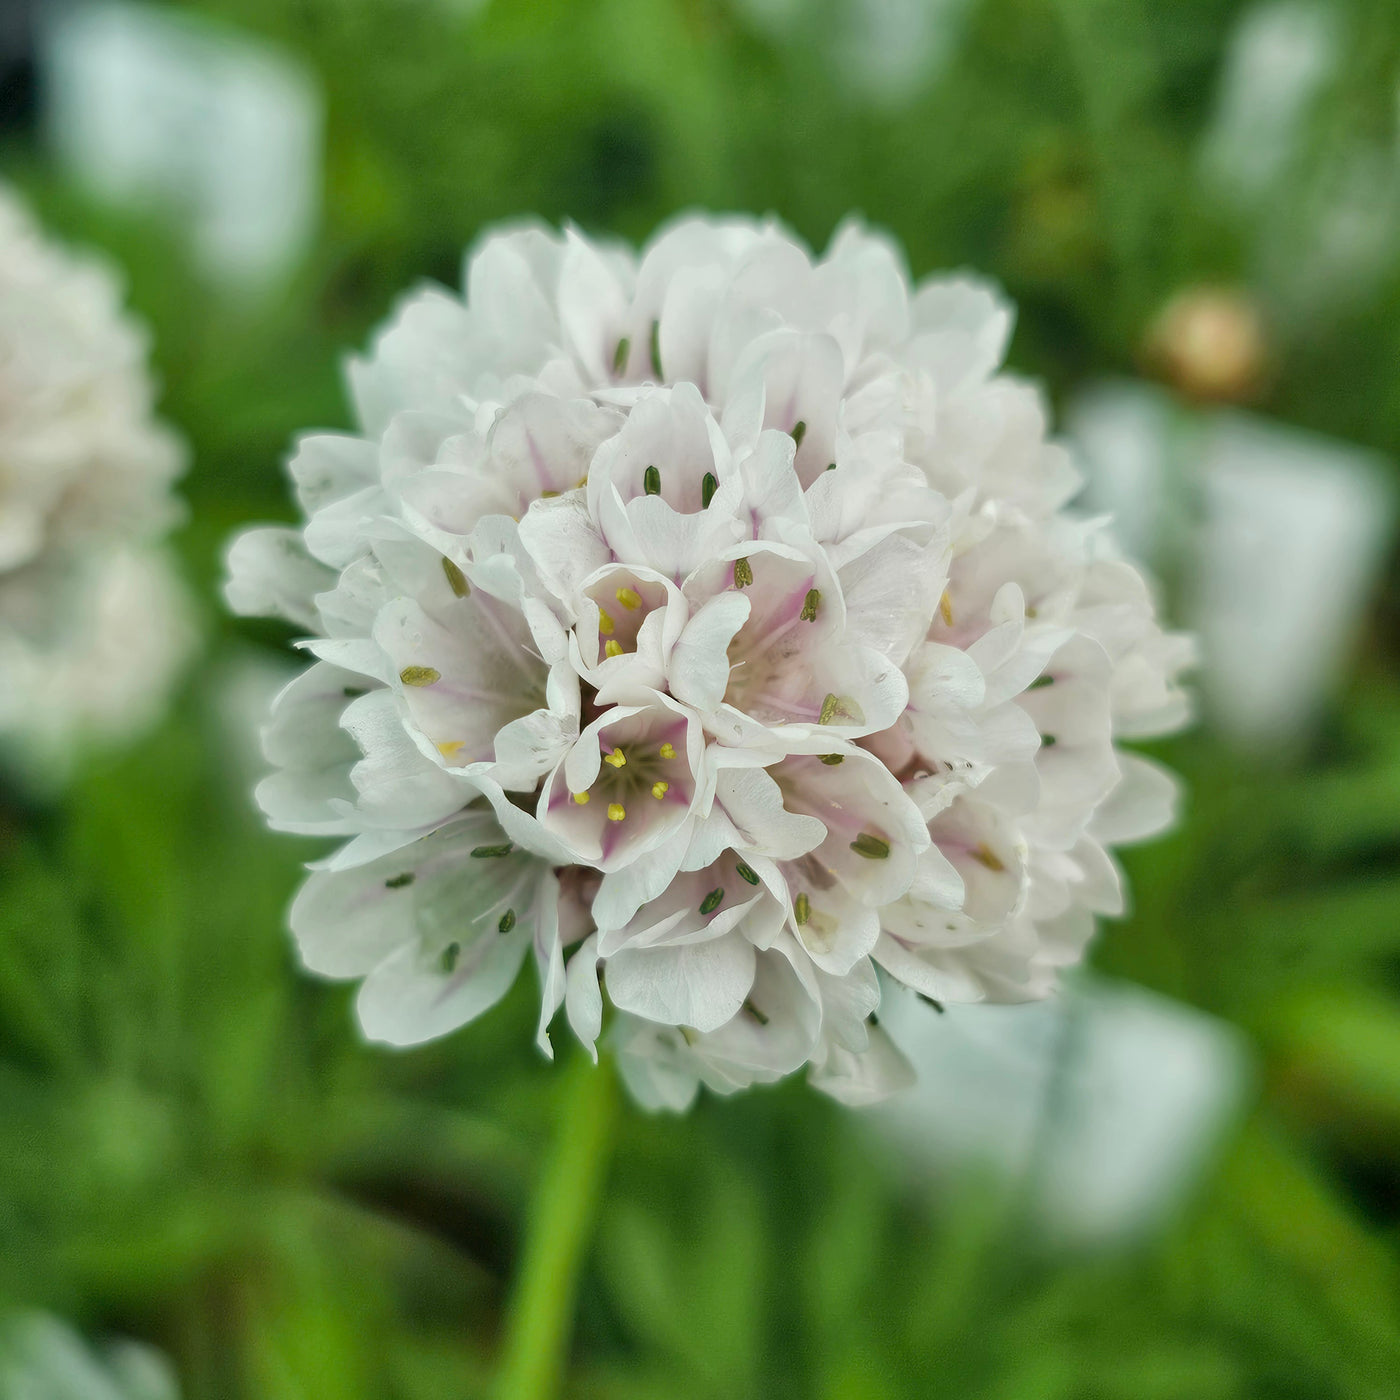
701	985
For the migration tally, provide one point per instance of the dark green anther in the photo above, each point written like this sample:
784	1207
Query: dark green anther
507	921
747	873
831	466
450	954
712	901
708	487
871	847
651	481
485	852
832	759
799	431
810	604
399	881
624	348
456	580
656	348
1040	682
1048	741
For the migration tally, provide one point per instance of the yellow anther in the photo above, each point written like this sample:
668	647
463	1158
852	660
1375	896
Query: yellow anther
448	747
659	790
945	609
582	798
616	812
612	647
668	751
617	758
605	623
629	598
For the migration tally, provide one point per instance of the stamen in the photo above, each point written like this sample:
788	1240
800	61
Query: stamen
983	855
450	954
616	812
612	647
448	747
1048	741
668	750
842	707
487	852
456	579
743	573
606	625
712	901
945	609
624	348
651	481
709	484
799	431
871	847
747	873
832	759
549	495
507	922
397	882
1040	682
629	599
831	466
582	798
617	758
802	909
810	605
419	675
656	348
659	790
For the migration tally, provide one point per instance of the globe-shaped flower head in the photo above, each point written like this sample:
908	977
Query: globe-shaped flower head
93	622
709	625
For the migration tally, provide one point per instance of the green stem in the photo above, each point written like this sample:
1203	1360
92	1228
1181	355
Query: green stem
540	1316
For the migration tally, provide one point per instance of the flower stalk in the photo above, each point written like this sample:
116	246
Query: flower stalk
539	1317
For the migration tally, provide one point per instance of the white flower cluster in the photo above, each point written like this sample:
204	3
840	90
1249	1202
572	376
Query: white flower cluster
708	622
93	623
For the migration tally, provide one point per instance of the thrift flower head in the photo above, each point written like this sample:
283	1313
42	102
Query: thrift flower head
707	627
93	623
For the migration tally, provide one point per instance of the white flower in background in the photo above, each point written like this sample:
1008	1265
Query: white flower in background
42	1358
93	623
708	625
1281	534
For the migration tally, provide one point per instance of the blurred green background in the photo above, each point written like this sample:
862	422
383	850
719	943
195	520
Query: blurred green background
195	1148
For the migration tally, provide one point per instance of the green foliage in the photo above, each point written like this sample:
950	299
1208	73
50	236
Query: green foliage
196	1149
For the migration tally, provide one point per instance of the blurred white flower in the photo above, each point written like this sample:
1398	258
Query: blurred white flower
42	1358
93	622
1098	1110
1281	534
709	623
